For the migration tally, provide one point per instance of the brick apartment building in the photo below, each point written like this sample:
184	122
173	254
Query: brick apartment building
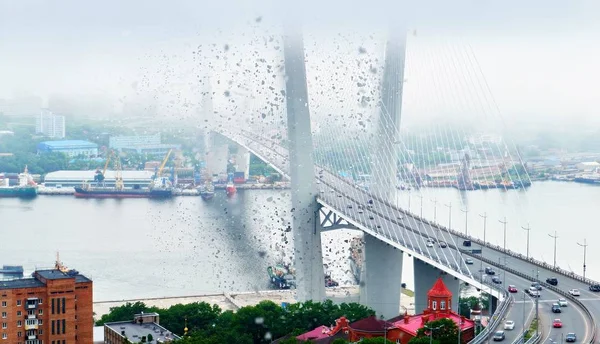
52	307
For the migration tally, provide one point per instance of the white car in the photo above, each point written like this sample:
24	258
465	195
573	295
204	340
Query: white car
574	292
533	292
562	302
429	244
509	325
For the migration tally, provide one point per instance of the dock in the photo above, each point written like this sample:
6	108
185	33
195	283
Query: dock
49	191
234	301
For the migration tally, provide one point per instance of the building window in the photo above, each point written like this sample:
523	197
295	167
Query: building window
18	302
19	313
53	333
64	326
442	305
41	311
41	331
52	306
63	304
19	323
19	334
4	336
3	314
41	322
3	303
40	301
4	325
434	305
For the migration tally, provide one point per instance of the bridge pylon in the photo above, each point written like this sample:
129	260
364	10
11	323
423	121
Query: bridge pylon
308	256
382	270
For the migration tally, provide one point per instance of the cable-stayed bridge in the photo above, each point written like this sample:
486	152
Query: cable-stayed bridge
323	200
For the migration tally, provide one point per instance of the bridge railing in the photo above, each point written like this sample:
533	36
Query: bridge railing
508	299
572	298
495	319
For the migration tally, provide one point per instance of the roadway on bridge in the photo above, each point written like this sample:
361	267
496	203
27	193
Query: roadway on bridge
392	222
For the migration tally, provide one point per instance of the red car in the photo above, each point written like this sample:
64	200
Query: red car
557	323
512	289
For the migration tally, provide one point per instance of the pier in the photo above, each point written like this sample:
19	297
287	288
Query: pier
51	191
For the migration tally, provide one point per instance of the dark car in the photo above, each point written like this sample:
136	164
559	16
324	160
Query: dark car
595	287
370	201
552	280
570	337
490	271
536	285
443	244
556	308
498	336
467	243
496	280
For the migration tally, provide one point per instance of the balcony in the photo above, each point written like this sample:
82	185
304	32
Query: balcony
31	316
31	324
31	306
31	337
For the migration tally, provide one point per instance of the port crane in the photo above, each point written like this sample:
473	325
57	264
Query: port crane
99	177
158	180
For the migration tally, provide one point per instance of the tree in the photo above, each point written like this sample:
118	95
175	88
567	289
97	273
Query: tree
375	340
125	312
445	331
469	303
422	340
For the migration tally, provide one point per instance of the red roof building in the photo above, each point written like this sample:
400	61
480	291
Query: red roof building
400	329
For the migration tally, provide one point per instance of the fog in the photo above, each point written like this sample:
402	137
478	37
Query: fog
538	60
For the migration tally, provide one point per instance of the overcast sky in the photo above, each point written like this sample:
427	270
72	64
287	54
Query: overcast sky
539	57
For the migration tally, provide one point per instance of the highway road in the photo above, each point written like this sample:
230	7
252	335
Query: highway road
411	232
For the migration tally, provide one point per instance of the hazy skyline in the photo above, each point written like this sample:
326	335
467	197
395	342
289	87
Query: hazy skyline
539	58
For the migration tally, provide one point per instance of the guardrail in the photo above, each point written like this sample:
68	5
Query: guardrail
504	304
547	286
533	340
495	320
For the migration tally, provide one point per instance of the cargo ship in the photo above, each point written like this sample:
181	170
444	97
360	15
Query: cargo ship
207	191
87	191
589	178
26	188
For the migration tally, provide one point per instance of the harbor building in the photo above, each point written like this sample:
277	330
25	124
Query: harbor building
50	125
53	306
144	328
142	144
131	179
72	148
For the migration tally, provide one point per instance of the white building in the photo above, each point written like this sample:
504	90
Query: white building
588	166
50	125
128	142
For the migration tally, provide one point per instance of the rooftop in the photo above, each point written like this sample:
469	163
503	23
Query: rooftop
134	332
412	323
439	289
69	144
32	282
89	175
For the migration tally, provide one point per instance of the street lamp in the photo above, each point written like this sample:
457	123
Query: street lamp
466	211
449	205
421	197
527	229
434	210
584	245
555	236
484	216
431	329
504	223
384	329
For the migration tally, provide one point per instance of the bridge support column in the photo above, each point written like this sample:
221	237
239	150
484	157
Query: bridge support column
381	277
385	160
425	276
308	256
217	153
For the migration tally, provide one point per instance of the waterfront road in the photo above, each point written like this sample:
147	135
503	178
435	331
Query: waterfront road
409	231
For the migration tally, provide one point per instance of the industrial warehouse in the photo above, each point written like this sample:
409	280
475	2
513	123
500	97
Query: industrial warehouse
131	179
